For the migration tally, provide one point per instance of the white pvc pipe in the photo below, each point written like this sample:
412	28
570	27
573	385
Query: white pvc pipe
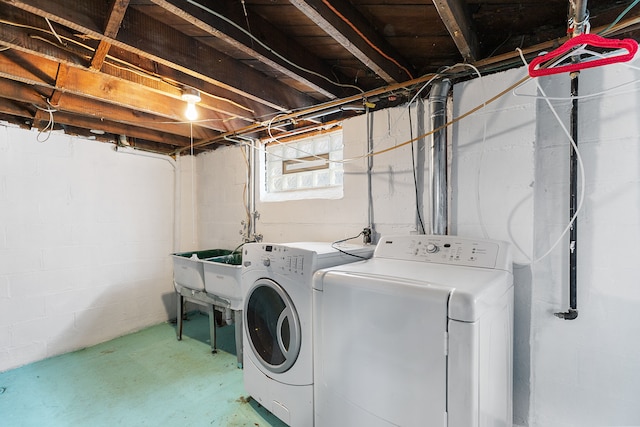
177	197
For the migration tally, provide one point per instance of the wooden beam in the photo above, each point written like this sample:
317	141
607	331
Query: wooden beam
21	38
347	26
99	86
87	100
115	17
42	118
456	18
31	34
225	21
74	111
159	42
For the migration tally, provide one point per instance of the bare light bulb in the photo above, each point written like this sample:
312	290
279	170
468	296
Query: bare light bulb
191	113
191	96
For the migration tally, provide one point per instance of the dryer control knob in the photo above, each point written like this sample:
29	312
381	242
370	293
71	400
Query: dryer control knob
266	261
431	248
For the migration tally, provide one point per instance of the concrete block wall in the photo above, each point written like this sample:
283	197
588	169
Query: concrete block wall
509	182
493	178
592	359
186	193
222	175
85	234
567	373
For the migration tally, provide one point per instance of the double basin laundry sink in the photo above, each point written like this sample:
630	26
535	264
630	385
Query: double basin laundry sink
211	278
214	271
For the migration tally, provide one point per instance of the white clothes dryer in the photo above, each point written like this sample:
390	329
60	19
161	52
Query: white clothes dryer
277	317
419	335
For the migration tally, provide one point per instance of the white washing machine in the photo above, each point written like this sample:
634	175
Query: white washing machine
278	345
419	335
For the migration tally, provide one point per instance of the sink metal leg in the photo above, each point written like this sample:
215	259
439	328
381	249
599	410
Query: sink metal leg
212	326
180	309
238	332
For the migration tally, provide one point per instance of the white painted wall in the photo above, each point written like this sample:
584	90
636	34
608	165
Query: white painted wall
222	176
220	202
567	373
585	372
85	234
493	177
512	185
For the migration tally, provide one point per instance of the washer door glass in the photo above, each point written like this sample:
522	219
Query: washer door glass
272	326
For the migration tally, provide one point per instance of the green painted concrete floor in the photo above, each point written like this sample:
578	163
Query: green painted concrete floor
143	379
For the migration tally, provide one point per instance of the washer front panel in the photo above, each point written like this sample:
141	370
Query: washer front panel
272	326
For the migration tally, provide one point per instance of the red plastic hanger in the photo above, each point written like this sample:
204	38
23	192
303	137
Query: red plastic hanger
583	39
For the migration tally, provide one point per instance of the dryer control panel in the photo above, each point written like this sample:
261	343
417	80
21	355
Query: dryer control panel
452	250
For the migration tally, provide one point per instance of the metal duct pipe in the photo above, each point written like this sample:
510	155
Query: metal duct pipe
438	177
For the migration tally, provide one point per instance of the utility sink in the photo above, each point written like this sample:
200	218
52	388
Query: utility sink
188	270
222	277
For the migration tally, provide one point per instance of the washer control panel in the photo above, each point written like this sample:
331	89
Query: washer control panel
451	250
278	258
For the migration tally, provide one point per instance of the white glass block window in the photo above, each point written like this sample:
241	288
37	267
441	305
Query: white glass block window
309	168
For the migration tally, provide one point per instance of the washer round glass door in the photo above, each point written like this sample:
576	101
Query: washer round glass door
272	326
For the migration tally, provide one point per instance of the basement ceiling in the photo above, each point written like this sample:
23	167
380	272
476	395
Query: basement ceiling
116	69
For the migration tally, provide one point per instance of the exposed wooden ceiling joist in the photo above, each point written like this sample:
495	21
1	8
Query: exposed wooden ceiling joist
151	38
225	21
349	28
73	111
456	18
120	66
115	17
43	72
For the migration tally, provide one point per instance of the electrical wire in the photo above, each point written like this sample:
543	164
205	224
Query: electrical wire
441	74
371	153
483	145
580	167
369	133
449	123
366	40
592	95
245	188
622	15
113	61
54	32
415	176
333	245
298	150
50	125
273	52
609	91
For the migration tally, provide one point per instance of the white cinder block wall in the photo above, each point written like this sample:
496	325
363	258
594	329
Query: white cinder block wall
84	238
513	185
586	372
85	233
493	179
222	175
567	373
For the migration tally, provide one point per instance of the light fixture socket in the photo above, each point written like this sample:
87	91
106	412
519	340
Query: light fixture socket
191	95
